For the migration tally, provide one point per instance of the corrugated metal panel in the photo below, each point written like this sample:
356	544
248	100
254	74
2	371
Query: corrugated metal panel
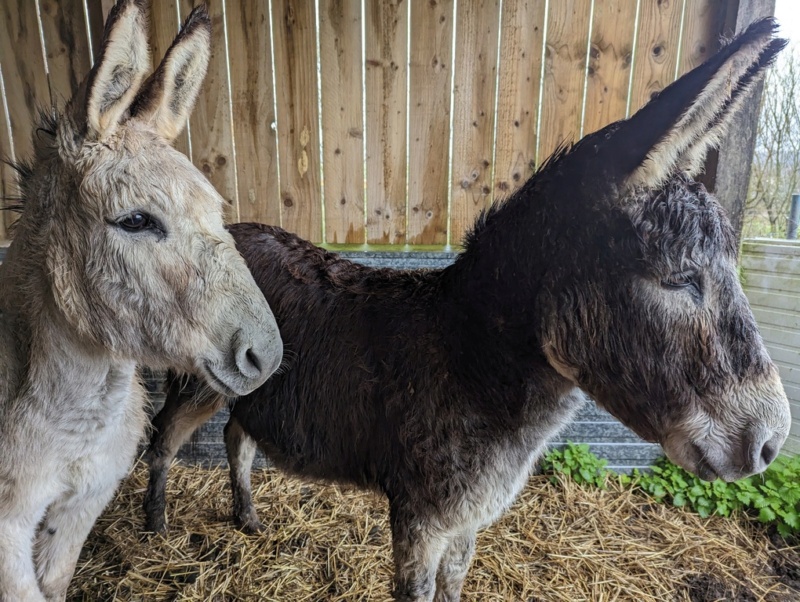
771	278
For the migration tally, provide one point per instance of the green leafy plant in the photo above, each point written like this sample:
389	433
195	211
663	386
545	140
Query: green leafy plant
773	497
581	465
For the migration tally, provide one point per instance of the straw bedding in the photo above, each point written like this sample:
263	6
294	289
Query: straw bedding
559	542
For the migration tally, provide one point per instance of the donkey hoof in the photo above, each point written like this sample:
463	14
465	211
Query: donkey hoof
251	526
155	527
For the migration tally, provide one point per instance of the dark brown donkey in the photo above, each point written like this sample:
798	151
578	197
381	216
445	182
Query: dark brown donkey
610	270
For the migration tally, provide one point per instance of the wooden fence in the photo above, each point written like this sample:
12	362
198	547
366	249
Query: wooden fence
377	121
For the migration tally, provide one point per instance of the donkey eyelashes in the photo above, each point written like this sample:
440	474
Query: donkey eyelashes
139	221
687	281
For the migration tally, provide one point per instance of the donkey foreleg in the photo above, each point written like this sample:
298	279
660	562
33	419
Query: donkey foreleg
66	526
241	451
18	581
23	502
418	550
185	409
453	567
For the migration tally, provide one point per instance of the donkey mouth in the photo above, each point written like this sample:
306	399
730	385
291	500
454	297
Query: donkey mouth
703	468
216	381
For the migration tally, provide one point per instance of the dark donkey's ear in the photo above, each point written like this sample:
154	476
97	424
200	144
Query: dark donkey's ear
116	77
675	130
167	98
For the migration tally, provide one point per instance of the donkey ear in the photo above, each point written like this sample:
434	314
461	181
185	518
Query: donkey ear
167	98
675	130
117	75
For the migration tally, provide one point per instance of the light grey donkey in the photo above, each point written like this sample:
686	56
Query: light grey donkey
120	257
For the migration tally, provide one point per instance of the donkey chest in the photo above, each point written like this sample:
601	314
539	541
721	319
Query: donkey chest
100	437
496	479
105	418
489	493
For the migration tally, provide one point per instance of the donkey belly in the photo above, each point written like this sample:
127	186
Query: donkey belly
303	441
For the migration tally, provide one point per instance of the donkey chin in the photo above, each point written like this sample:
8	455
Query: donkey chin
727	445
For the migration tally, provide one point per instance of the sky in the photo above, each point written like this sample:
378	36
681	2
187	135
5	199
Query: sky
788	14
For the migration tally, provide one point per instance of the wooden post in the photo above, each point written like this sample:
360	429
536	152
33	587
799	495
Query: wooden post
737	147
794	217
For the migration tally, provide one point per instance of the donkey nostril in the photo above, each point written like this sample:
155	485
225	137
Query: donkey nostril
768	453
253	359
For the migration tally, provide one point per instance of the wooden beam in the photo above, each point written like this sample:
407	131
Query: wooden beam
736	150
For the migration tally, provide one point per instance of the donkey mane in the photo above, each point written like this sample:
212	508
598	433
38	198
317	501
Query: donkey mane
45	133
487	215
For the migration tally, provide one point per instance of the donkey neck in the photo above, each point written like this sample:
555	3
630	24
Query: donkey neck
497	282
58	370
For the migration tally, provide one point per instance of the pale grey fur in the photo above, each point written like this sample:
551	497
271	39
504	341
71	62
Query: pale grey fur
83	300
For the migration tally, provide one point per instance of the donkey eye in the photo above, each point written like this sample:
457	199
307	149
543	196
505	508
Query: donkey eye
137	221
682	280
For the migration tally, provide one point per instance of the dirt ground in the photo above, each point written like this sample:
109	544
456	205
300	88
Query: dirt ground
557	543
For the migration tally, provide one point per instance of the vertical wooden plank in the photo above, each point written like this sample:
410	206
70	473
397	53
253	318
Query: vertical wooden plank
66	43
564	74
522	34
253	111
24	72
97	12
610	61
429	121
24	79
386	85
298	126
703	24
8	181
342	120
211	120
656	54
164	26
474	80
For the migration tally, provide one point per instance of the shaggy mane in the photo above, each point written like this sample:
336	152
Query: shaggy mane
487	214
46	125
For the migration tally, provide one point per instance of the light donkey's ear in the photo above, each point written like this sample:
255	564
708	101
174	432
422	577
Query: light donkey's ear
167	98
675	130
117	75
